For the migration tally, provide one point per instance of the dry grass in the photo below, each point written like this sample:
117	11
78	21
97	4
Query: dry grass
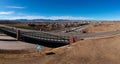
95	51
91	51
103	27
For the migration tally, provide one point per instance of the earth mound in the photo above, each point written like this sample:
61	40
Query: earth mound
93	51
103	27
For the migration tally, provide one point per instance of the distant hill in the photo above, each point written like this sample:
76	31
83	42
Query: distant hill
40	20
45	20
6	22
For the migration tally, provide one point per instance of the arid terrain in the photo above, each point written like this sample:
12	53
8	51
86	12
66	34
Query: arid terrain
45	26
103	27
59	31
104	50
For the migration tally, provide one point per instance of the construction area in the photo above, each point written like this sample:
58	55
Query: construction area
96	43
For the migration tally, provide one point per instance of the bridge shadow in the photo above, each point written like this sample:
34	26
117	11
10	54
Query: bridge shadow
8	40
47	43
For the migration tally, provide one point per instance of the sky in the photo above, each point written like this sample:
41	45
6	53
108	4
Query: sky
60	9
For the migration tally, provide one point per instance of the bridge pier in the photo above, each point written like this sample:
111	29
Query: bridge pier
73	39
18	34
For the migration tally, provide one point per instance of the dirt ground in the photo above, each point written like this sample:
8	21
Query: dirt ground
103	27
91	51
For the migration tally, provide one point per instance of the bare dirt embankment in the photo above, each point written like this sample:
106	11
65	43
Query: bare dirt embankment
95	51
103	27
91	51
104	50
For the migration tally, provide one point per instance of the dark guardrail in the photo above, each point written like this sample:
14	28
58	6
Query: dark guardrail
34	35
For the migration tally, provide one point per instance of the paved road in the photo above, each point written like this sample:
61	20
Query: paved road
83	35
10	43
91	35
76	29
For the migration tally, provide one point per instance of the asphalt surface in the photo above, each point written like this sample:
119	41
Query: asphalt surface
10	43
78	34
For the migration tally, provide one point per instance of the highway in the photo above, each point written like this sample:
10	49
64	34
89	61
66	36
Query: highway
80	35
93	35
61	36
76	29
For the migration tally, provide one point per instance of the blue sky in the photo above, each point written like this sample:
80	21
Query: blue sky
60	9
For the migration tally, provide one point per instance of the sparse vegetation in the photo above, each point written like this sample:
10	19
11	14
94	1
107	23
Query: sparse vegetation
103	50
48	26
31	25
103	27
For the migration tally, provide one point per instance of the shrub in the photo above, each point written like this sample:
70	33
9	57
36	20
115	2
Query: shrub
31	25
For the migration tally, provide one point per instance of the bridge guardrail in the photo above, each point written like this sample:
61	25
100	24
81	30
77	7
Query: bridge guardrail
35	34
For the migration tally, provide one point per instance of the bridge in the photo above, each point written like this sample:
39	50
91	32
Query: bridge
36	37
50	39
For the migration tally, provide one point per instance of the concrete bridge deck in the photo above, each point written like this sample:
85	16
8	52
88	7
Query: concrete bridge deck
8	43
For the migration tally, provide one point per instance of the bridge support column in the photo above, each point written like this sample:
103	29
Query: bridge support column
18	34
72	39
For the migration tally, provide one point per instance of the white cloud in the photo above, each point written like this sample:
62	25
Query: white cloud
68	18
17	7
50	17
6	13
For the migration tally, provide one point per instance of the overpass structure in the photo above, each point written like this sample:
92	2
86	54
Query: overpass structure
50	39
35	36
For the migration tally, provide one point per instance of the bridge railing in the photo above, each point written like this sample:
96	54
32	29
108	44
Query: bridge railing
8	29
35	34
43	35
